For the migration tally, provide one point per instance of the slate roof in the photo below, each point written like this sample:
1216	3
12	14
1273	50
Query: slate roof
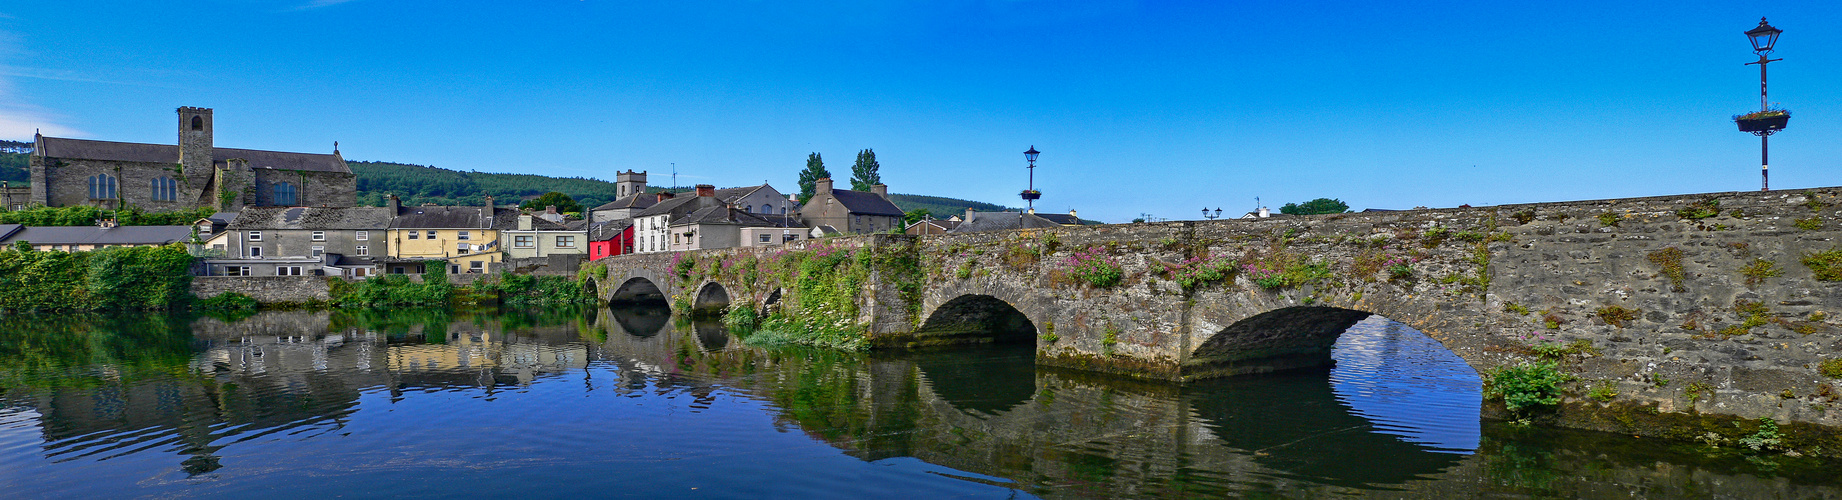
455	217
604	231
311	218
58	147
859	202
722	214
680	206
92	235
999	221
642	200
1064	219
541	224
943	224
7	230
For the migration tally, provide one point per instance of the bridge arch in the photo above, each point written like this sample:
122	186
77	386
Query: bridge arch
637	289
986	312
711	298
1290	336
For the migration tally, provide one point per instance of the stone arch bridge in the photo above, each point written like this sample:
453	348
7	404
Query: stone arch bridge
1707	303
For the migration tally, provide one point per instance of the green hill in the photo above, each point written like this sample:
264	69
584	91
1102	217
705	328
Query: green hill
14	167
941	207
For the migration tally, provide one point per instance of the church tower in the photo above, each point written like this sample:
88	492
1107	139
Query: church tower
629	183
195	146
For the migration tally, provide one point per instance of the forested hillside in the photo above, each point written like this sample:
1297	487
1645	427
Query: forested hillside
13	166
941	207
417	184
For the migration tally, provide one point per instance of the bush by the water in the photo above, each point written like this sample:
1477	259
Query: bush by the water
117	279
395	290
1526	386
778	330
527	290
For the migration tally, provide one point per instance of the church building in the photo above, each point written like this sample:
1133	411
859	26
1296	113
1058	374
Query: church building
192	174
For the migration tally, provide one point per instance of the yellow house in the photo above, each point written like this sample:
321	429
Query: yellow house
465	238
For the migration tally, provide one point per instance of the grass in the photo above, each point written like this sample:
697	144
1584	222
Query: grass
1618	316
1831	368
1700	210
1609	219
1810	224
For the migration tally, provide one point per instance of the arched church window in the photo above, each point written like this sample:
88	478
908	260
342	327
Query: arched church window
198	123
284	193
165	189
766	208
102	187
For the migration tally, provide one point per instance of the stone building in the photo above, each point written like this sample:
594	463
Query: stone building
300	241
630	186
192	174
851	212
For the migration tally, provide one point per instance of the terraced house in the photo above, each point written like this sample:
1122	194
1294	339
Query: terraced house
465	239
299	241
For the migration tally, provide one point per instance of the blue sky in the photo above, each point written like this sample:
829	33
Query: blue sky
1138	107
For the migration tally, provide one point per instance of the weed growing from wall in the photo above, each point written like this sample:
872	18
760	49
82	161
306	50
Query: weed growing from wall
1700	210
1198	271
1670	262
1526	387
1617	316
1759	270
1827	265
1095	268
1810	224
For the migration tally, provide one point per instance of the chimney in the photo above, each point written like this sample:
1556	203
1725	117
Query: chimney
551	215
524	222
705	190
1071	213
395	205
664	196
1264	213
822	186
880	190
489	206
968	214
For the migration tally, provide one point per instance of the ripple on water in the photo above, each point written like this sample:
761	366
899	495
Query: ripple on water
1408	385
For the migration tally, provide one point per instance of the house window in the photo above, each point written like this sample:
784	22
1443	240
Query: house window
255	252
318	250
284	193
523	241
255	235
463	248
236	271
565	242
766	208
363	250
464	236
363	235
361	272
204	231
857	220
677	238
287	270
165	189
476	266
412	234
431	234
766	238
396	270
102	187
319	236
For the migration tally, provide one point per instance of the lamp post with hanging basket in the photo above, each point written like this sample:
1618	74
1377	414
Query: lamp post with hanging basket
1766	121
1031	195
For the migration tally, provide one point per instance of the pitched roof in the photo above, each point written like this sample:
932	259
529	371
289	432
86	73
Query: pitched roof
680	206
311	218
1063	219
943	224
92	235
999	221
604	231
722	214
8	230
859	202
59	147
641	200
455	217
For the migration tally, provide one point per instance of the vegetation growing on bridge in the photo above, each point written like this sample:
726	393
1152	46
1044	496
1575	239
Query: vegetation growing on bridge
823	284
1670	262
1827	264
1526	387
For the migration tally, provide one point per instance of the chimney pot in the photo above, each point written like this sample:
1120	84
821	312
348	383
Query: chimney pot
706	190
822	185
664	196
880	190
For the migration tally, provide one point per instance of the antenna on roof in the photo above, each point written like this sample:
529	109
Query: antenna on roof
674	176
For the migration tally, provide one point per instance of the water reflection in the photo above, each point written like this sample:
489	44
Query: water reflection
489	402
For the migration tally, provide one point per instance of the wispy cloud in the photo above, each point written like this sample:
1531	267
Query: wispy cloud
18	119
68	76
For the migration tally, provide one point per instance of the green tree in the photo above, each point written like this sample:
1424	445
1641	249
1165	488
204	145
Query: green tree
1314	207
912	216
809	178
562	201
863	173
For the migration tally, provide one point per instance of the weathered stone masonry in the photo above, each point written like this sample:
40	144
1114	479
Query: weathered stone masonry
1675	333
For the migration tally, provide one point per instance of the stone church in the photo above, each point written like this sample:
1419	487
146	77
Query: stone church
193	174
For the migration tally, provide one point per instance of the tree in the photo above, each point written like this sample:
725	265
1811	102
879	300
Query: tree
1314	207
562	201
863	173
809	178
913	216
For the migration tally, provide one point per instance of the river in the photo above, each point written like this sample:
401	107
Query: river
631	402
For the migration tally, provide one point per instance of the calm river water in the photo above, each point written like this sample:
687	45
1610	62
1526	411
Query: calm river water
629	403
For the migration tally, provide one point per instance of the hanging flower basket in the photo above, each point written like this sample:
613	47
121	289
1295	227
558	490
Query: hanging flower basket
1031	194
1763	121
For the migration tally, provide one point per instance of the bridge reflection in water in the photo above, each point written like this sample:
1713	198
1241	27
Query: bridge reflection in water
282	390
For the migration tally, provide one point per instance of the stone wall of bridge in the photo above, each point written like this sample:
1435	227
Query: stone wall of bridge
1678	304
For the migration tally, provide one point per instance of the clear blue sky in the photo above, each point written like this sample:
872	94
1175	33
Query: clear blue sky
1138	107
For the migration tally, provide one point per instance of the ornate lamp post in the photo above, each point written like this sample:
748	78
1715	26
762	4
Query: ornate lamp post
1031	195
1766	121
1207	215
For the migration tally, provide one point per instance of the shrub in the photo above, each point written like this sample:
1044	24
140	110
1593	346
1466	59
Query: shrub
110	279
1609	219
229	301
1827	265
1766	439
1700	210
1526	386
741	317
1095	267
1198	271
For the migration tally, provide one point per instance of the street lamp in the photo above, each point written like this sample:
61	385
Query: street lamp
1207	215
1766	121
1031	195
